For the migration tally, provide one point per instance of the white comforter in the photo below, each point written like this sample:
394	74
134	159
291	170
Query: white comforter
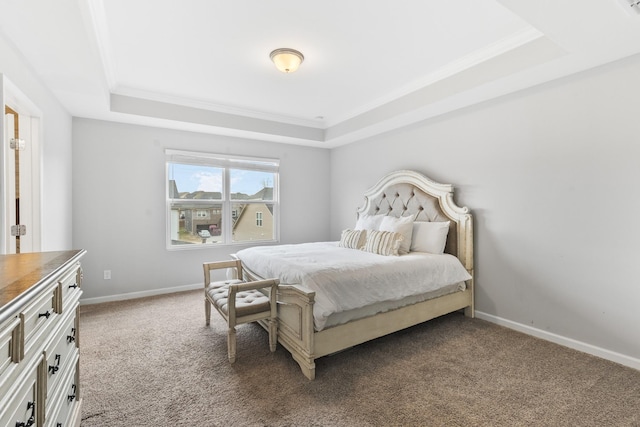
345	279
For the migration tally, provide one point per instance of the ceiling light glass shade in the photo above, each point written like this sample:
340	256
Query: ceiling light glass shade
286	60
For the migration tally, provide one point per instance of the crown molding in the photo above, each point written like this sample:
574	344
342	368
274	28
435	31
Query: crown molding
479	56
217	108
93	10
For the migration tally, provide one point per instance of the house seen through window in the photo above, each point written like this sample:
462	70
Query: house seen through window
219	199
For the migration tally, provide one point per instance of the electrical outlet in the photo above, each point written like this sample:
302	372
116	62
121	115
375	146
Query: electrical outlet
107	275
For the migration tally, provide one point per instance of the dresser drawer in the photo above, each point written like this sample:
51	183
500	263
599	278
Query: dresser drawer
21	407
9	345
70	286
38	317
60	352
65	410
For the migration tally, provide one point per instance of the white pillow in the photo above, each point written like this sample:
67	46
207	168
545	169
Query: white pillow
353	239
403	226
383	242
429	236
368	222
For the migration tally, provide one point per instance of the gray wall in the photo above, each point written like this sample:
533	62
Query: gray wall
119	204
55	145
551	175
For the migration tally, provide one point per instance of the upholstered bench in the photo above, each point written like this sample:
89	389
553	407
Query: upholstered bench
240	302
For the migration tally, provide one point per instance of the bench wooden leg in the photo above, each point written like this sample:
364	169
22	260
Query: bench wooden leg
273	334
207	311
231	344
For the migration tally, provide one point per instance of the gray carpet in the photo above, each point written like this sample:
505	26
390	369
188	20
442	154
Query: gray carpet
153	362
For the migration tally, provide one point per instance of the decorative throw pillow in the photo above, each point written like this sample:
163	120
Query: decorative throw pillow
429	236
353	239
368	222
383	242
402	225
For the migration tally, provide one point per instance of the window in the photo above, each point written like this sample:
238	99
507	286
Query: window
220	199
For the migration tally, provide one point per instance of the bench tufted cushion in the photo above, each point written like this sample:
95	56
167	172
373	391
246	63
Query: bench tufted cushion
247	302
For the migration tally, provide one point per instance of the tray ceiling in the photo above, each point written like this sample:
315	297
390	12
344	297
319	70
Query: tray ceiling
370	66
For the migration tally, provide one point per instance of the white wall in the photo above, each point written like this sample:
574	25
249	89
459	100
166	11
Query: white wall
551	175
56	149
119	204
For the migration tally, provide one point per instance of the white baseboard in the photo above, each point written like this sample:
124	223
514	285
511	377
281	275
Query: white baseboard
564	341
132	295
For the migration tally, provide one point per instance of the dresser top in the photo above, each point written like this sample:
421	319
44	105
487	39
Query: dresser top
19	273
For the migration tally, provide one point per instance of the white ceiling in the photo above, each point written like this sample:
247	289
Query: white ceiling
370	65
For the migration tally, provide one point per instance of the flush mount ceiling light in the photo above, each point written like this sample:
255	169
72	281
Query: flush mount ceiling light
286	60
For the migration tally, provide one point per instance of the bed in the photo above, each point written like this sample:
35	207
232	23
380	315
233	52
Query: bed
316	320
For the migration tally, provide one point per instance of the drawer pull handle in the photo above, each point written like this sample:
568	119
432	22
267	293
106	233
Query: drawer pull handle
54	368
46	314
32	419
71	397
75	285
71	338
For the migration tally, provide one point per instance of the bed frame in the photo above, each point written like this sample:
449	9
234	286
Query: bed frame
400	193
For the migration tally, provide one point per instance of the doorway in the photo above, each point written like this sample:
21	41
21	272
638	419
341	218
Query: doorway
20	176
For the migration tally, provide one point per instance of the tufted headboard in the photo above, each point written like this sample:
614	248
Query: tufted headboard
409	193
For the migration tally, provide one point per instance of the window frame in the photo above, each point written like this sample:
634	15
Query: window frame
227	203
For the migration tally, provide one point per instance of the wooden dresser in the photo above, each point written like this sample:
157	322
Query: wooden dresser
39	341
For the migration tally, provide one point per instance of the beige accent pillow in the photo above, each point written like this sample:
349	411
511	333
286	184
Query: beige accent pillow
402	225
383	242
353	239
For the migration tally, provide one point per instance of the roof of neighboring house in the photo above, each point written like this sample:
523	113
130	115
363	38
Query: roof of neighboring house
173	189
205	195
265	194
